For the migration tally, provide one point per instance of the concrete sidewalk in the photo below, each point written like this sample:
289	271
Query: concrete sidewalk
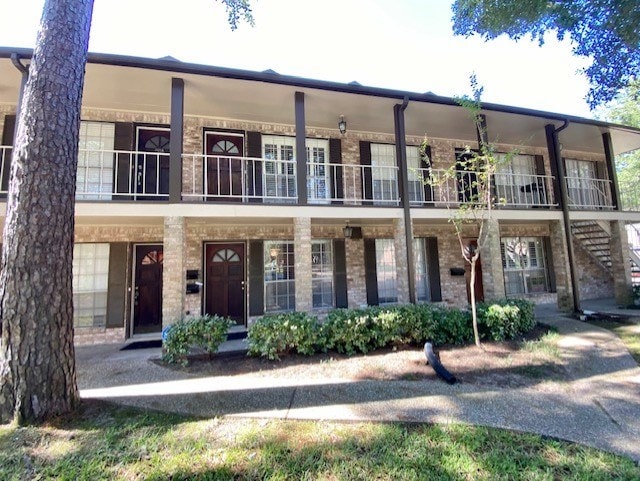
600	407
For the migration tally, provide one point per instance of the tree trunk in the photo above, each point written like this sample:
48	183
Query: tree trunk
37	359
474	311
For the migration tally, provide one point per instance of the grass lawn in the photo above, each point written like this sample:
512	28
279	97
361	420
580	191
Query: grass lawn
102	441
626	332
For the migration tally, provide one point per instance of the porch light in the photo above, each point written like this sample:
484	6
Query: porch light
352	232
342	126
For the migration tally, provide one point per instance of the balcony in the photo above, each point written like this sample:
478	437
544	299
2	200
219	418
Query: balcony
118	175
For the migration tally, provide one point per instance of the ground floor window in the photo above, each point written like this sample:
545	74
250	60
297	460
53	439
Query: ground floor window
322	273
90	284
421	274
524	265
386	271
279	276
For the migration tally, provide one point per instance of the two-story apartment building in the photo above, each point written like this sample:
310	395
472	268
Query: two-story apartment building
210	190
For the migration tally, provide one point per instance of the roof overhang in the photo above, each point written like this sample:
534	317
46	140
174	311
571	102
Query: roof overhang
134	84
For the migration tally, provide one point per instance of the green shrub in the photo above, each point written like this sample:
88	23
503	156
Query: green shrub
505	319
206	332
350	331
277	334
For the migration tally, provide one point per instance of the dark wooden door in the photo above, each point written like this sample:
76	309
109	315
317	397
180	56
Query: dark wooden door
471	245
225	281
147	296
224	167
152	165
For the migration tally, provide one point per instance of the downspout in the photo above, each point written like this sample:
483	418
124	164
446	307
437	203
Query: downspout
24	70
564	201
401	152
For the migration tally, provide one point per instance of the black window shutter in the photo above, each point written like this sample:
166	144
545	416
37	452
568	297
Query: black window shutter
542	187
254	149
340	273
548	257
7	139
365	159
256	278
425	163
117	287
539	161
124	164
370	271
336	182
433	269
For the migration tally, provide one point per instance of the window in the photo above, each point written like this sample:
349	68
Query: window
516	182
384	173
524	265
279	278
421	274
386	271
584	187
416	174
318	186
90	284
95	161
279	167
322	273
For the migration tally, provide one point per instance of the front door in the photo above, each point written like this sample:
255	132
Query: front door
147	295
152	163
224	165
225	281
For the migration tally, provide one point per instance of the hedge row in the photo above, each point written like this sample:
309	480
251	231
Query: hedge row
352	331
206	332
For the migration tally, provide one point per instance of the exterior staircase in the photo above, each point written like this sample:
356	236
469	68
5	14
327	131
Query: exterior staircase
595	237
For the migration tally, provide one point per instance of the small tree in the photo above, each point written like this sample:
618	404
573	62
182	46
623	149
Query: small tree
472	175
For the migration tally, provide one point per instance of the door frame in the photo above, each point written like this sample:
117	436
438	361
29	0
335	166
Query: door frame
230	133
244	275
134	167
132	290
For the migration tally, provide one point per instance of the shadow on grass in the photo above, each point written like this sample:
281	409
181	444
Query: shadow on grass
120	443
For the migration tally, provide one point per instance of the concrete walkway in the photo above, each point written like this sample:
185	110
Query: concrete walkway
600	407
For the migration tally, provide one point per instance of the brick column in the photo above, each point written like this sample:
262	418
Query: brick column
302	251
402	270
356	283
491	259
620	266
561	270
173	270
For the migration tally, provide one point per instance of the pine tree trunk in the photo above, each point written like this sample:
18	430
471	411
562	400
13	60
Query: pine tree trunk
37	359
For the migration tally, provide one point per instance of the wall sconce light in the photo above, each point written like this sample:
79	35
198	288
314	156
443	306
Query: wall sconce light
352	232
342	125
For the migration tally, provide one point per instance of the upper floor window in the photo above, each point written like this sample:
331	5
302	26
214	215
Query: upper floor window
95	161
584	187
384	172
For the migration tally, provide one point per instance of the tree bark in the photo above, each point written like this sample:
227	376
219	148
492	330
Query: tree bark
37	358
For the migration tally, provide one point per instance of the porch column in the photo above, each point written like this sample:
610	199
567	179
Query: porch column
301	150
400	243
620	266
176	141
559	250
491	258
173	270
356	280
302	253
610	161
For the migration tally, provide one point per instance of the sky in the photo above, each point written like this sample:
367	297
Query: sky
397	44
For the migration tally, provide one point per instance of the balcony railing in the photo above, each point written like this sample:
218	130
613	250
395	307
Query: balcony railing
589	193
432	187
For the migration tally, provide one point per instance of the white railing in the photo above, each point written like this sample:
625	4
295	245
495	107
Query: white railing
589	193
431	186
238	178
112	174
363	184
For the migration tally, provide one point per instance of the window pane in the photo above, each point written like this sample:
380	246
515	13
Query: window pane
422	278
386	271
322	273
279	275
524	265
90	284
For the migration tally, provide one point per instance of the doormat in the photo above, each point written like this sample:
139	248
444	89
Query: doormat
142	345
234	336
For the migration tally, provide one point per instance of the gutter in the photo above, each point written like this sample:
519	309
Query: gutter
564	197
